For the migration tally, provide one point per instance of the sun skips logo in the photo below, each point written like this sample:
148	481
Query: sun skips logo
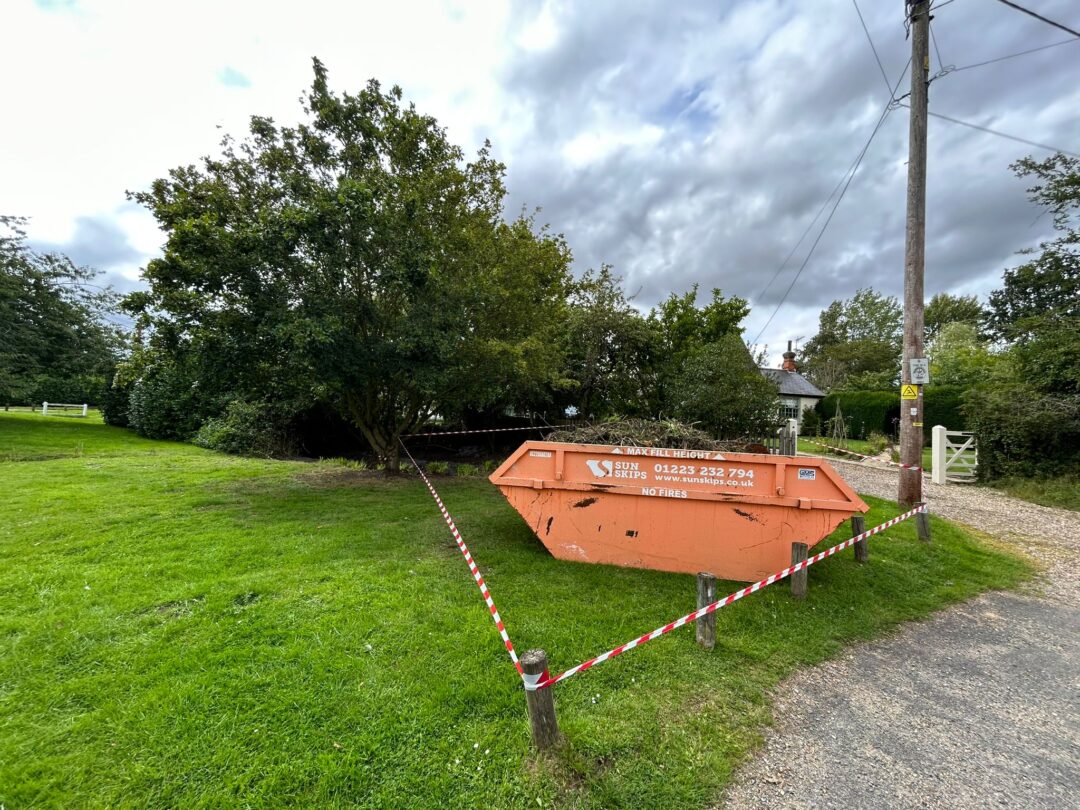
601	469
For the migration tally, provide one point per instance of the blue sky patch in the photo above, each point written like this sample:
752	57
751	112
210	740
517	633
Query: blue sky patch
55	5
231	77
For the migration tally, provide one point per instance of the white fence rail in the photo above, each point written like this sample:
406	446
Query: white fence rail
955	456
62	406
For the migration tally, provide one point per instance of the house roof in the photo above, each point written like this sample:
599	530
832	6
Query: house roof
792	383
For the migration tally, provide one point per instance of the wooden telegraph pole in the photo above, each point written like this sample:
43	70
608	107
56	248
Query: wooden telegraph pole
911	400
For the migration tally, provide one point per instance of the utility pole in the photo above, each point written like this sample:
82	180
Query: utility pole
911	398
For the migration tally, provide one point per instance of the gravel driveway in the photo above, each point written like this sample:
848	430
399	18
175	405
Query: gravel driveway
977	707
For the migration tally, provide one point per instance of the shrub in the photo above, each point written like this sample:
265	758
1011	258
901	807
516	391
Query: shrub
348	463
811	423
438	467
1022	432
943	405
245	429
720	388
115	402
490	466
162	404
876	442
467	470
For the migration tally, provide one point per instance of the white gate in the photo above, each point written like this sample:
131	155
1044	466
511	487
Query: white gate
955	456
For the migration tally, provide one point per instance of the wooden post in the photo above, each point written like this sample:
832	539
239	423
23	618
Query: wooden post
922	524
911	410
541	702
706	595
862	550
798	579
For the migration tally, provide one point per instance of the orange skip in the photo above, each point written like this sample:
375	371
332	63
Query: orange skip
733	514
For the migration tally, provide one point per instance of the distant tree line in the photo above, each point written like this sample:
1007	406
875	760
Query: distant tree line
1014	360
57	342
357	264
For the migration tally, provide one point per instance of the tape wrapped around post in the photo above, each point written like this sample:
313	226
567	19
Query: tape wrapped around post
534	682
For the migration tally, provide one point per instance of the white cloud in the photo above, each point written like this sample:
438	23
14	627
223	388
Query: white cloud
688	142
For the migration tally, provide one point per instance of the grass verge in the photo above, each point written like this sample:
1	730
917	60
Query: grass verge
182	628
857	445
1062	492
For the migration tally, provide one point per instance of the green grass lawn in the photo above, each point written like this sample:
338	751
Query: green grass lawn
859	446
180	628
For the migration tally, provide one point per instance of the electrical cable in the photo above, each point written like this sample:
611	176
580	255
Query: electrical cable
937	51
1031	13
1016	138
850	176
884	76
1018	53
854	165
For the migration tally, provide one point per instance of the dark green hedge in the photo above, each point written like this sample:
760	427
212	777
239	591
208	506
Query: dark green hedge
1023	432
868	411
944	405
864	411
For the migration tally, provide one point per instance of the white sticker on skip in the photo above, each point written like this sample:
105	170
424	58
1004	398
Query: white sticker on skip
540	453
807	475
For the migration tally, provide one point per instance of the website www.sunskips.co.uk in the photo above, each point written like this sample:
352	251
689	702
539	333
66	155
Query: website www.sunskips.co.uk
685	479
712	482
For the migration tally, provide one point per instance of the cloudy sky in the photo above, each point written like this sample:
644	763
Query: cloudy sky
681	142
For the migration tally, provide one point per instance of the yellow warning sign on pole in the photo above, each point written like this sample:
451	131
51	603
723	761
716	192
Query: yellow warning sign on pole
909	392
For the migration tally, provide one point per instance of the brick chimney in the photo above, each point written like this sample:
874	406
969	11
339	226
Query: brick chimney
789	359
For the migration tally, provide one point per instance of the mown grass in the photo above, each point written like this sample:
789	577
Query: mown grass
858	445
185	629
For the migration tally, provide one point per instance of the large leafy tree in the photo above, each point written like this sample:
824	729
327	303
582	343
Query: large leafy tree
355	259
721	388
857	344
959	356
945	308
56	339
1027	416
608	344
1037	310
682	329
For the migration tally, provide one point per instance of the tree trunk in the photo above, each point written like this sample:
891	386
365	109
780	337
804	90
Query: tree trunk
393	458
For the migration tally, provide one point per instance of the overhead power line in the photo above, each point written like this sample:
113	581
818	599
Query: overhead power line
846	184
855	164
937	50
1018	53
1031	13
869	39
1006	135
825	204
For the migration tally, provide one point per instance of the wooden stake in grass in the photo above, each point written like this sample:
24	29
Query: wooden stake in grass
798	579
862	549
922	524
541	702
706	595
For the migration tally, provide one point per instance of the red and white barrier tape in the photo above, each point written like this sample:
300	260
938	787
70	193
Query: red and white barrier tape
472	566
541	683
465	432
871	458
